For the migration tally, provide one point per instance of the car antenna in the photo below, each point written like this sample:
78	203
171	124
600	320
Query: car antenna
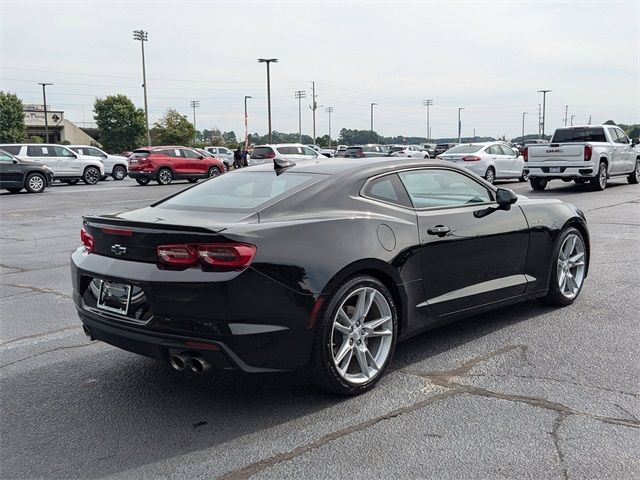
280	165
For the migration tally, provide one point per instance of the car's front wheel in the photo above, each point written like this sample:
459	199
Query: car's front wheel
538	183
634	178
213	172
91	175
119	172
569	268
355	337
35	183
142	181
165	176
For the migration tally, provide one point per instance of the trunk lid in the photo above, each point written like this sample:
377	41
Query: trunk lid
567	152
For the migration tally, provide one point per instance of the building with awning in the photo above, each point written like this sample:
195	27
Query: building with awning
60	129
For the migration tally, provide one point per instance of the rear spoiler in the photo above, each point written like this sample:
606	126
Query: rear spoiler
121	223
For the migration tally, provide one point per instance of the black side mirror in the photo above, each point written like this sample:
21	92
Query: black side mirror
635	141
15	161
506	198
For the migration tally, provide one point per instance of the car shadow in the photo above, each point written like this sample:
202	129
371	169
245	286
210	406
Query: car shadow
110	412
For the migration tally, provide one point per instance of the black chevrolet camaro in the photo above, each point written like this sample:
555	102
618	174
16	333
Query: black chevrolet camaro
323	265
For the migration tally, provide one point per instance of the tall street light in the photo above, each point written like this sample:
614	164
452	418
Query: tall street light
195	104
142	36
372	104
428	103
299	95
459	125
329	110
523	114
246	124
268	61
544	104
46	120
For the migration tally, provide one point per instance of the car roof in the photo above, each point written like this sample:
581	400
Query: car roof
276	145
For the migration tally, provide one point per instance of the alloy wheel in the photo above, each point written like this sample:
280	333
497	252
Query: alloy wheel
362	335
119	173
490	176
571	265
165	177
36	183
213	172
602	176
91	176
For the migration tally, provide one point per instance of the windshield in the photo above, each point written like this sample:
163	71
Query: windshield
240	191
471	148
585	134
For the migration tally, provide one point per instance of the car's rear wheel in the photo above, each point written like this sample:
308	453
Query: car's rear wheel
568	269
91	175
213	172
14	190
490	175
599	182
119	172
634	178
165	176
355	337
142	181
524	177
35	183
538	183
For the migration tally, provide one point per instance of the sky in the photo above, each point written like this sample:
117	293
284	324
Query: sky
490	58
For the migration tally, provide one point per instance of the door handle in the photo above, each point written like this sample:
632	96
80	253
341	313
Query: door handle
439	230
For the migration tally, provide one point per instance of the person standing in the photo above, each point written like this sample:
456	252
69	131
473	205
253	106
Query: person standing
244	154
237	158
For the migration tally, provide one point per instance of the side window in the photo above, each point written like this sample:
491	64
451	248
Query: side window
614	135
622	137
12	149
78	150
288	150
6	158
309	151
388	189
494	150
61	152
95	152
433	187
38	151
507	151
190	154
167	152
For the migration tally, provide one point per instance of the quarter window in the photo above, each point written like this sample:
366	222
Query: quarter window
430	188
388	189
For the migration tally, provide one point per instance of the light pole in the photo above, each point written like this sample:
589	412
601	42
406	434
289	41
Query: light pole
46	120
523	114
572	117
459	125
544	105
314	107
329	110
143	36
566	114
372	104
246	124
268	61
194	104
299	95
428	103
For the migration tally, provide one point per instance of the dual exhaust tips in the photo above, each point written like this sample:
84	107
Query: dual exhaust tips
185	360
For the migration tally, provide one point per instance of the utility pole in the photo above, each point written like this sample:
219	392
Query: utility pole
572	117
329	110
566	114
544	107
268	61
314	107
246	124
427	103
523	114
143	37
194	104
459	125
299	95
589	119
44	99
539	120
372	104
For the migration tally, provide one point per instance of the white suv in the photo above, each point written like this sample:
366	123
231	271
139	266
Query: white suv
291	151
223	153
114	165
67	166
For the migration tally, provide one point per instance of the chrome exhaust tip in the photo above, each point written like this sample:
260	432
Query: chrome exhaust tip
179	361
198	364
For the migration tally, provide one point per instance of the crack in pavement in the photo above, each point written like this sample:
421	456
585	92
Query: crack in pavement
69	347
37	335
39	290
612	205
441	379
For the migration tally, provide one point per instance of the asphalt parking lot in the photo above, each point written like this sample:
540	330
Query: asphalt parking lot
524	392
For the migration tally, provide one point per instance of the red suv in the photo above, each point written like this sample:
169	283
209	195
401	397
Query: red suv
165	164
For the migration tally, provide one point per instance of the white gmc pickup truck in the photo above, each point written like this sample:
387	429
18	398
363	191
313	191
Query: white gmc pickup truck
589	153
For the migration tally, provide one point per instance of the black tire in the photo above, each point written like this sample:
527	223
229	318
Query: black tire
118	172
35	183
599	182
213	172
524	177
91	175
538	183
554	295
143	181
14	190
192	180
322	368
490	175
165	176
634	178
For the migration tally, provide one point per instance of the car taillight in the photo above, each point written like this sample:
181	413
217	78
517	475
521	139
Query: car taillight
270	155
87	240
588	151
216	256
471	158
525	154
360	154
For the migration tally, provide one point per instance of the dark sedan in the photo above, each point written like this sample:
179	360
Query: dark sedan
320	265
16	174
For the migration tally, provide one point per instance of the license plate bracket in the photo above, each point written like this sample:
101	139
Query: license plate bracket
114	297
555	169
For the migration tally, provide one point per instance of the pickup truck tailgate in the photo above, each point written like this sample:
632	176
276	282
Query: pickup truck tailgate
566	152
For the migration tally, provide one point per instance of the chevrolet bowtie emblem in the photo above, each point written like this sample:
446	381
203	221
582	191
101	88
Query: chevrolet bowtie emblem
118	249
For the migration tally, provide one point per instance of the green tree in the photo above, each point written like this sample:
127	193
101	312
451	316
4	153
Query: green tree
122	125
12	128
174	129
229	138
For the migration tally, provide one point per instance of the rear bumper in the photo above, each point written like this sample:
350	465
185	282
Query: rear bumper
140	174
243	320
571	172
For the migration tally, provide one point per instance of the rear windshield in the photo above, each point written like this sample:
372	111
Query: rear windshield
240	191
140	153
397	149
354	149
591	134
465	149
262	152
13	149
